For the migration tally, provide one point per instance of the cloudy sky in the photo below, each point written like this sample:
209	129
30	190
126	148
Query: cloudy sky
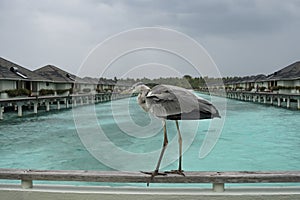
243	37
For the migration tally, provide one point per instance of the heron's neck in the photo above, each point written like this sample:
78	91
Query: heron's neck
142	100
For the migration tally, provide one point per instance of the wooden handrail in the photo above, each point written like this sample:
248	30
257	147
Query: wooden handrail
216	178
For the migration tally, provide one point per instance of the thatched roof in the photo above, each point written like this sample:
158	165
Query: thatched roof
13	71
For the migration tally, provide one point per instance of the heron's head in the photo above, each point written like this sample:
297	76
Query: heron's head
140	88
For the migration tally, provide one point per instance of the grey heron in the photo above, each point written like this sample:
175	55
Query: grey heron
169	102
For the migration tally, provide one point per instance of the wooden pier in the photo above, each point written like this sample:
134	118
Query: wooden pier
37	102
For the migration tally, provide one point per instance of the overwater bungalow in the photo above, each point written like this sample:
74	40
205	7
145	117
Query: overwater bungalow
92	84
106	85
16	80
233	84
122	85
62	81
286	80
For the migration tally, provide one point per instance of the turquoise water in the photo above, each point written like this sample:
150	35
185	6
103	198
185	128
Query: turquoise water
254	137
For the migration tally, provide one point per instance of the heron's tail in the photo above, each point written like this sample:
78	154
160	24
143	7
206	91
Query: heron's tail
207	110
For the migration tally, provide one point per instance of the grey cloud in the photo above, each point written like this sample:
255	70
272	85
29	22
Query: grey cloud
62	32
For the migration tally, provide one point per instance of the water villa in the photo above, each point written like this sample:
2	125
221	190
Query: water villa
49	85
281	88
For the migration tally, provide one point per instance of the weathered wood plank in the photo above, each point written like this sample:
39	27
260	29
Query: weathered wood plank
137	177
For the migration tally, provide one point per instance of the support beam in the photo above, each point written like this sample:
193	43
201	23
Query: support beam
218	187
35	107
67	103
26	184
298	103
288	102
74	102
271	100
265	99
58	104
20	112
278	102
1	112
47	106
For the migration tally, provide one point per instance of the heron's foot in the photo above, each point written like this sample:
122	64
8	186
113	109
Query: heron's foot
153	174
176	171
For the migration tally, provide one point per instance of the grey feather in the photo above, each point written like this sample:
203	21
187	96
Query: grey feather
171	102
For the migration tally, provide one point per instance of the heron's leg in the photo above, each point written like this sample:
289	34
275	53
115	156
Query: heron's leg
179	171
180	146
165	144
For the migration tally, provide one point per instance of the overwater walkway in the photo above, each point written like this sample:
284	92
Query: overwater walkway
37	102
268	98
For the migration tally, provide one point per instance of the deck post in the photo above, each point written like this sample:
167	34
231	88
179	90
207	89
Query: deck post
278	101
218	187
81	101
75	102
26	184
298	102
35	107
271	100
265	99
47	105
58	104
20	110
288	102
1	112
67	103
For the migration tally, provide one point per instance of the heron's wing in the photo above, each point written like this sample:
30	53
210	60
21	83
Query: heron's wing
173	102
165	100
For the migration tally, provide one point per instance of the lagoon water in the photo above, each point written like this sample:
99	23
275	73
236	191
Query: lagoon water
254	137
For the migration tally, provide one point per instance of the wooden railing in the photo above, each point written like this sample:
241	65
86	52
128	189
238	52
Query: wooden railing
218	179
